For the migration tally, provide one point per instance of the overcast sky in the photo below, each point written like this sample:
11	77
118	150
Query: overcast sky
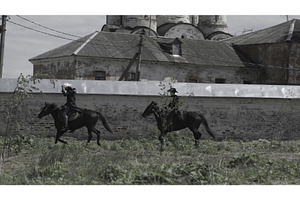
23	43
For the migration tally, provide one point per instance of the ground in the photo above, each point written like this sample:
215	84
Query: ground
33	160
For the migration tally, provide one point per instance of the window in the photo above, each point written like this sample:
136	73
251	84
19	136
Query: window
217	18
171	46
247	82
176	49
130	76
100	75
220	80
192	80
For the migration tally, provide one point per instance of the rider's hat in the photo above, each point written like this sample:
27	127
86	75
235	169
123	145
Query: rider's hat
172	90
65	85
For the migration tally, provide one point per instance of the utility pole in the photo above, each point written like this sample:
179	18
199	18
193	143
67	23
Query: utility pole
138	64
137	56
2	31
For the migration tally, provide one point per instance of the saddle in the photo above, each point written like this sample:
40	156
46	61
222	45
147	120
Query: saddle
74	114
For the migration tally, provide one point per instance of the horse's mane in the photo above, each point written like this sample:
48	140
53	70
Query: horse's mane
52	105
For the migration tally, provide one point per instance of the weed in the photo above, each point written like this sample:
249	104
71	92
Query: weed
138	161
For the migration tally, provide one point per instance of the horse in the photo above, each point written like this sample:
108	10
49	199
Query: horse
168	122
87	118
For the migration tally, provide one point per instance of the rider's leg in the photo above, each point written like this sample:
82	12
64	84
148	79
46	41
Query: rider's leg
65	116
178	113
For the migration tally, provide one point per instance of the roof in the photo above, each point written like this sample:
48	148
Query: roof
174	29
218	35
120	45
162	29
285	32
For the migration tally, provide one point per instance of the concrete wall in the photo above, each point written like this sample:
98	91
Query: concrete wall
233	111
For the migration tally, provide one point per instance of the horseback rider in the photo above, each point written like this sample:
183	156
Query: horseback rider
174	104
69	92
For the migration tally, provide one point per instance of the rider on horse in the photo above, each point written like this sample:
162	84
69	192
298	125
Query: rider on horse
69	92
174	104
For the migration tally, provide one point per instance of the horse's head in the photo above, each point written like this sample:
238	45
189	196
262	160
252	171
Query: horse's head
47	109
151	108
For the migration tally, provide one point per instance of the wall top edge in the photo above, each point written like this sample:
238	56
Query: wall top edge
156	88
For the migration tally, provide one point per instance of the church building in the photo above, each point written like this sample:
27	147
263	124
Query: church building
184	48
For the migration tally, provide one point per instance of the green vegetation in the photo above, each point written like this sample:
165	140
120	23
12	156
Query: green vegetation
37	160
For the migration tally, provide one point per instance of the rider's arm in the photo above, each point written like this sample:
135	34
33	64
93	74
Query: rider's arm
64	91
67	92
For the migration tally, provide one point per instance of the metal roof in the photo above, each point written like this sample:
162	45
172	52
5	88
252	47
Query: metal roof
121	45
65	50
285	32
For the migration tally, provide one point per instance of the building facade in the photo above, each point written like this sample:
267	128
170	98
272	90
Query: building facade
184	48
105	57
275	51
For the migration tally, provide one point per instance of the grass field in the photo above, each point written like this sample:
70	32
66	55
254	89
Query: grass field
32	160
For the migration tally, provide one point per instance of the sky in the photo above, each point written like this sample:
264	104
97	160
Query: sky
27	37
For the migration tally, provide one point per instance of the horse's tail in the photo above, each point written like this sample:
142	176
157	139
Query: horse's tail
207	126
104	122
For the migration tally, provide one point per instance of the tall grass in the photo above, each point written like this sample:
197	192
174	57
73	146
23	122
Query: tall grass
138	161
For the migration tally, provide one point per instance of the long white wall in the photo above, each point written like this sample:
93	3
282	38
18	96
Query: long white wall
233	111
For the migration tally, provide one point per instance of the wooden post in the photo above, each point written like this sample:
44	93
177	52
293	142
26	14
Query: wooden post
138	64
124	74
2	30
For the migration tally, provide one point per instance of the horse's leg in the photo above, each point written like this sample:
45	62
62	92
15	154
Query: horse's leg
162	140
98	135
197	136
194	126
89	135
62	141
58	135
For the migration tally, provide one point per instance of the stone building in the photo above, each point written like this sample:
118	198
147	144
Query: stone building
274	50
198	27
186	48
105	56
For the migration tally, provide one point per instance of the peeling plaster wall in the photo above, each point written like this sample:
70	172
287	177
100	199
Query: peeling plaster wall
163	19
84	68
212	23
294	64
184	31
273	59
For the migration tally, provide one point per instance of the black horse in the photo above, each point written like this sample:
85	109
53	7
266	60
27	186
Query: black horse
168	122
87	118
